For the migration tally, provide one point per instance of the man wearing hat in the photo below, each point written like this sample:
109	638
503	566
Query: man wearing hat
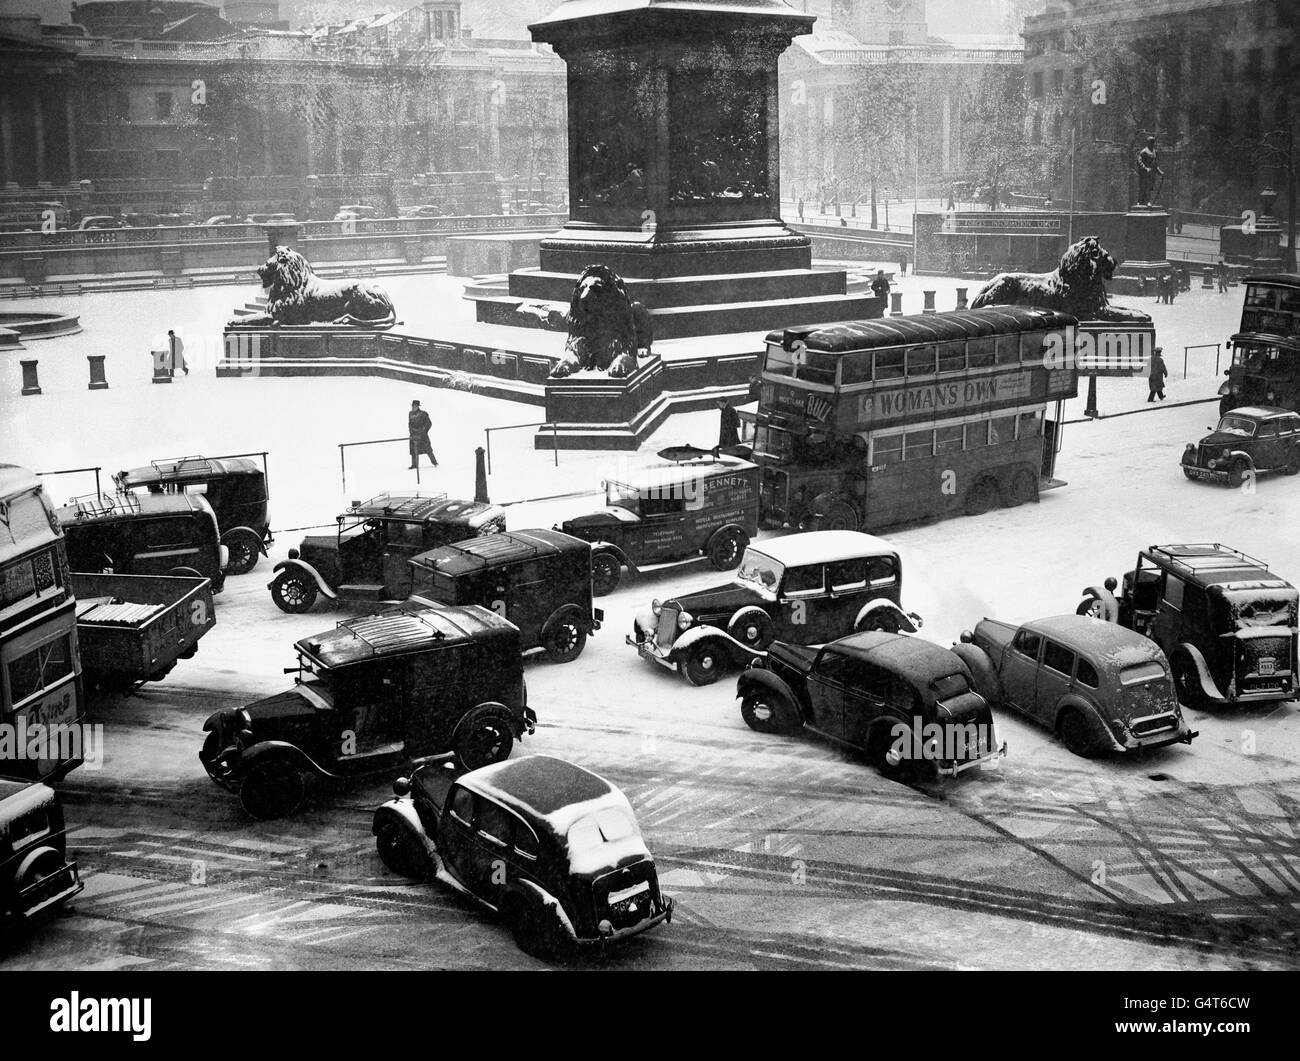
418	425
729	429
1156	377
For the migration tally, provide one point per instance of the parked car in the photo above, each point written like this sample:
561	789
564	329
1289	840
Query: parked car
366	560
804	588
1248	441
234	487
1097	686
97	221
551	847
35	873
538	579
356	212
224	219
1226	623
145	534
907	703
671	513
373	694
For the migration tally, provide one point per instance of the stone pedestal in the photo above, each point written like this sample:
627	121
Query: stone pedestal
1255	242
674	169
1145	228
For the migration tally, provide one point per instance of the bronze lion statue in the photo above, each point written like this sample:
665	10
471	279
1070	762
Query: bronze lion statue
606	328
296	295
1077	286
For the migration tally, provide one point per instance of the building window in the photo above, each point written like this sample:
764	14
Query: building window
162	106
1037	84
1058	80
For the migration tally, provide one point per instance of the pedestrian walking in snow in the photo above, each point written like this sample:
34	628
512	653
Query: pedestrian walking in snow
1156	376
418	425
175	354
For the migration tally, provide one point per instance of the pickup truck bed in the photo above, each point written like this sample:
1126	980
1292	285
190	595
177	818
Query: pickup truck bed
133	628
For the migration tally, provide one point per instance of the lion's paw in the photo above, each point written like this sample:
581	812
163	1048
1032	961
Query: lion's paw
623	365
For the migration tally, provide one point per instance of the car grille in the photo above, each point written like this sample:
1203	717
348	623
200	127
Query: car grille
629	895
666	631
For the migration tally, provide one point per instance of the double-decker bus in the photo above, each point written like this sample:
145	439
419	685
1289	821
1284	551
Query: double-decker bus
1265	367
872	423
40	672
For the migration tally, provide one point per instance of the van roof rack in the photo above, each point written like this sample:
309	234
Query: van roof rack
104	504
1205	553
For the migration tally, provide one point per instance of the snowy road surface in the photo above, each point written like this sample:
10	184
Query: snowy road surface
782	852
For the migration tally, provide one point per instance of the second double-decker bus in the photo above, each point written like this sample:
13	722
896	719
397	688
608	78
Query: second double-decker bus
871	423
1265	367
40	672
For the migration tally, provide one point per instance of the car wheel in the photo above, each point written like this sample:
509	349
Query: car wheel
605	573
245	550
1293	462
294	592
1187	682
483	737
725	550
537	930
880	742
1092	607
1075	732
768	712
1237	473
980	498
564	641
271	790
752	627
704	662
399	851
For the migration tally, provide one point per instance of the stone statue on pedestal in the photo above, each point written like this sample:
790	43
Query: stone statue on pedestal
1147	171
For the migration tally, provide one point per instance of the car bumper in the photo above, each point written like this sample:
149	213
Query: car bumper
651	651
989	759
1209	474
644	925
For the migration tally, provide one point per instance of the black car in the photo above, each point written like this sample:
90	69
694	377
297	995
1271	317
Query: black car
904	701
145	534
1247	442
35	874
234	486
550	846
806	588
1226	623
371	695
366	561
538	579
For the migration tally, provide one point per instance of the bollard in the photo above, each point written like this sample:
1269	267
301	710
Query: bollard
929	302
1091	408
896	303
97	380
961	298
480	476
1207	277
31	385
161	374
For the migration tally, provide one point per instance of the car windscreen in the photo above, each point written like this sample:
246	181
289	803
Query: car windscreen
621	495
759	571
1237	425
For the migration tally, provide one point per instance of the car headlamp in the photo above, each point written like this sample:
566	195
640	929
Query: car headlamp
685	620
656	606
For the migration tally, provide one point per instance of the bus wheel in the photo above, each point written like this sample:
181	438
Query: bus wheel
1024	487
981	497
840	516
605	573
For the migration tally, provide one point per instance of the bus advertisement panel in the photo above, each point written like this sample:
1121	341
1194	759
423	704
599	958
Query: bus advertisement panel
867	424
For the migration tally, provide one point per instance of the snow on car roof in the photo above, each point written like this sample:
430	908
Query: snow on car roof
407	628
918	660
16	480
676	473
421	509
812	547
543	787
476	554
1259	412
1098	639
190	469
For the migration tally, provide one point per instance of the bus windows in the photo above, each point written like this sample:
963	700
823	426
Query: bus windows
856	368
979	352
817	368
774	442
1259	297
948	439
921	361
1289	300
847	575
886	449
1002	429
952	357
780	362
918	444
977	434
35	671
882	571
1008	349
1031	425
889	364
